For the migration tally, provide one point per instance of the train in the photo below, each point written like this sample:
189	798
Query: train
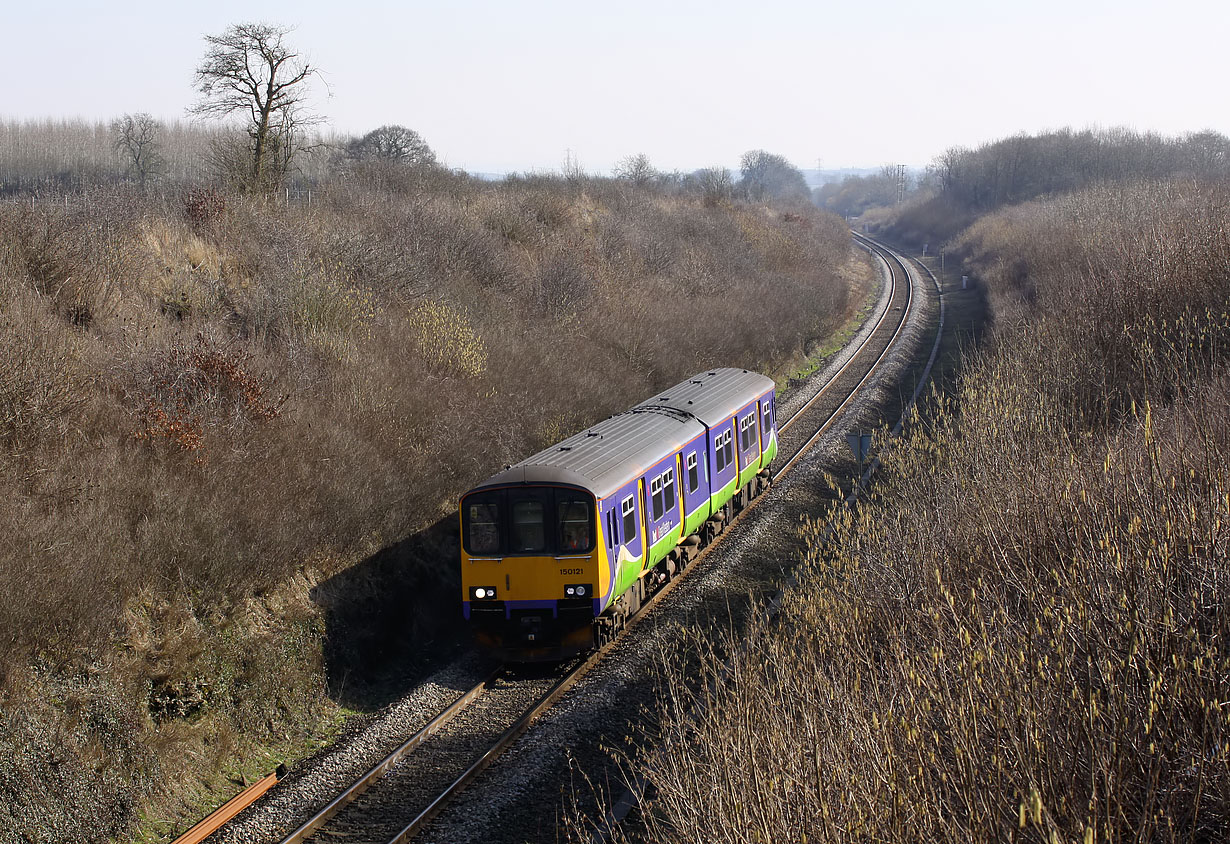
561	549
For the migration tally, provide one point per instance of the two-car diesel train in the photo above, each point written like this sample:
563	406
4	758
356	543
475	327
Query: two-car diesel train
560	549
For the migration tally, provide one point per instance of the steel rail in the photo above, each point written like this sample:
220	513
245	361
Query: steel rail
893	263
565	683
632	796
582	669
888	307
378	771
212	822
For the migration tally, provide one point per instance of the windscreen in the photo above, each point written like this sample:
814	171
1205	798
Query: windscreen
527	520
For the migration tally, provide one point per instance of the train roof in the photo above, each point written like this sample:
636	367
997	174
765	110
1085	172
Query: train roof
605	456
714	395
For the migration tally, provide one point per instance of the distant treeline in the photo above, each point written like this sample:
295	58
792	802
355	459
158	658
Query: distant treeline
964	183
74	155
70	156
1025	167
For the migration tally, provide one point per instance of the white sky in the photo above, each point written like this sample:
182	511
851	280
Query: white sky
511	86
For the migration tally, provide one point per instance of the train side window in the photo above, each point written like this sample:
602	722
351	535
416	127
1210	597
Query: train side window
655	487
728	447
752	432
719	454
482	523
668	490
528	531
743	433
693	480
628	509
612	529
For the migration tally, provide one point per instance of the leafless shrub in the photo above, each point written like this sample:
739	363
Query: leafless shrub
199	383
1022	636
42	383
426	329
565	285
204	206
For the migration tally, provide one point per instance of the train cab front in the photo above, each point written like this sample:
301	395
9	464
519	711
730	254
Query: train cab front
530	570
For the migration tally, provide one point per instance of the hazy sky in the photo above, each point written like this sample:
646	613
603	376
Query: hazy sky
512	86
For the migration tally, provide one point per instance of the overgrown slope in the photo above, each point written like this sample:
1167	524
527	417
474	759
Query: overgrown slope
963	184
211	405
1023	636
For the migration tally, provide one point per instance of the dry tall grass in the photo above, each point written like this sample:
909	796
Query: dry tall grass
1023	635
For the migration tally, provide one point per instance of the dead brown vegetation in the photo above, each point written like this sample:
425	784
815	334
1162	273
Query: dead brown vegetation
211	402
1023	636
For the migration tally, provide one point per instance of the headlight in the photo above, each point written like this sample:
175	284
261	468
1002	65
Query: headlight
480	593
579	590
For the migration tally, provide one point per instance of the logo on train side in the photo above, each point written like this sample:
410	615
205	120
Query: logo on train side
662	530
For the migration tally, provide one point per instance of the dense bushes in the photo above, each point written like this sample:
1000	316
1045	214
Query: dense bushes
964	183
1024	635
209	403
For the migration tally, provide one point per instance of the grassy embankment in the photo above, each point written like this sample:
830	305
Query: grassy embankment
1023	635
214	412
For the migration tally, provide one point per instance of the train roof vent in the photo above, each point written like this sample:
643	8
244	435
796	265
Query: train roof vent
565	448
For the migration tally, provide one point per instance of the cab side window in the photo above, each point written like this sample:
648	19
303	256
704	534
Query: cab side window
483	525
573	513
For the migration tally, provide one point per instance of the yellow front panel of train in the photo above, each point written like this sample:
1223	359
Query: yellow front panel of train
530	544
529	578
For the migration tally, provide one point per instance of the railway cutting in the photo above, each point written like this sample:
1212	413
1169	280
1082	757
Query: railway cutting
464	775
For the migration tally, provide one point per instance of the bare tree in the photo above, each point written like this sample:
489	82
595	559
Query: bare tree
636	169
766	175
393	144
136	140
250	70
716	185
1207	152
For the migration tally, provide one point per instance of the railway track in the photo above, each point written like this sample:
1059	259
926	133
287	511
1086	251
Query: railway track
824	408
396	798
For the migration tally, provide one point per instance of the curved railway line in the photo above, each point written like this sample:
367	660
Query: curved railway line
396	798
